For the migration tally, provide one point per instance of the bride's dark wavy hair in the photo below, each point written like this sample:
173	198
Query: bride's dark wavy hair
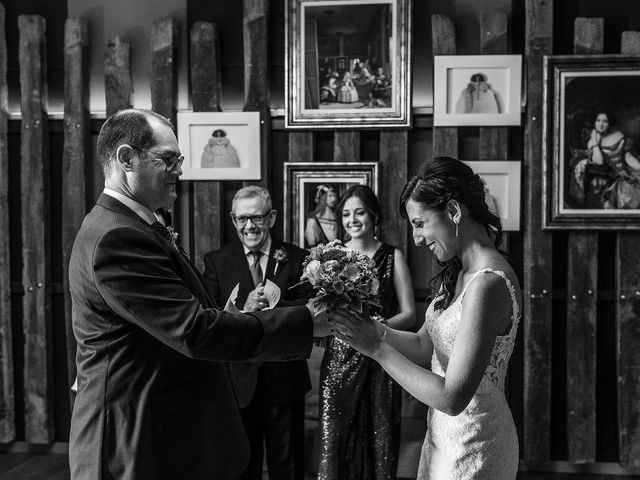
438	181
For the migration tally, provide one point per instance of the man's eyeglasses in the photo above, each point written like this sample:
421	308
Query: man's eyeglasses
256	219
171	162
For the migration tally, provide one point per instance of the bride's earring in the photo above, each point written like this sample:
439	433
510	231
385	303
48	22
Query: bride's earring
457	233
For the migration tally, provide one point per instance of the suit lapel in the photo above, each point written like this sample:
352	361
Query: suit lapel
113	204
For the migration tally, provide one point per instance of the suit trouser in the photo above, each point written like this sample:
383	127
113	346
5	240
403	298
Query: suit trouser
277	429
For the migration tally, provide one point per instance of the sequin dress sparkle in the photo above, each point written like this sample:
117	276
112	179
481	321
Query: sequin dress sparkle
481	442
359	403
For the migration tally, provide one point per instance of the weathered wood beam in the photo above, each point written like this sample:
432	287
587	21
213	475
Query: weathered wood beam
7	408
165	45
582	278
77	138
493	141
118	85
628	324
208	197
36	241
346	146
445	139
394	161
301	146
257	91
537	244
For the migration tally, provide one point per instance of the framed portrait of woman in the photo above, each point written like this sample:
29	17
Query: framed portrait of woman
348	64
311	194
591	142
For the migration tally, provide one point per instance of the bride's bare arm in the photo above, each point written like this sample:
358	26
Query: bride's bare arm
486	309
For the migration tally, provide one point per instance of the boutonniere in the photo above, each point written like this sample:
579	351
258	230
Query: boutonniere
280	256
174	236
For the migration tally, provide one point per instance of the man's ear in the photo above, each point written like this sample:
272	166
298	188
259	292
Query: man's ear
124	157
274	215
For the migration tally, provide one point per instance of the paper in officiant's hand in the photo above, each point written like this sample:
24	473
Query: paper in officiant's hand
271	293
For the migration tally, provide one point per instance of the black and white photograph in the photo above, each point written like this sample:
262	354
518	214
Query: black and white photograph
319	240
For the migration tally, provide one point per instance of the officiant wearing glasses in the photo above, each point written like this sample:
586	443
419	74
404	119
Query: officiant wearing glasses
154	399
271	394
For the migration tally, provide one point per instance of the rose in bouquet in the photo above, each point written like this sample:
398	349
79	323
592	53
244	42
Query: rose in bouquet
341	278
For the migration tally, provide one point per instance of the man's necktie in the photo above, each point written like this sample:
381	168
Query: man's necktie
255	268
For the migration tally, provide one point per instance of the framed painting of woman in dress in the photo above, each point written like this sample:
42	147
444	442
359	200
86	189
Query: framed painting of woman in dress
311	193
348	64
592	142
220	145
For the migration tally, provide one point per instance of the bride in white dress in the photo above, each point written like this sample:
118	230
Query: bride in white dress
469	331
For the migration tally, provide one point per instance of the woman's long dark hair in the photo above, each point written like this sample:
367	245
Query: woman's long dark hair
438	181
369	201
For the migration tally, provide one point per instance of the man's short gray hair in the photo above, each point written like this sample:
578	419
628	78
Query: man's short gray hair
253	191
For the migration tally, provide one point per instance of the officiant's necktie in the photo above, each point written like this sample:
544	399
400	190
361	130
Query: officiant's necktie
255	268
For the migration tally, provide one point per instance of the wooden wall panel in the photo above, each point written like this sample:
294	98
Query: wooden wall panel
301	147
628	324
35	204
493	141
165	45
582	287
393	173
537	244
77	135
443	36
346	146
7	410
208	201
118	85
257	91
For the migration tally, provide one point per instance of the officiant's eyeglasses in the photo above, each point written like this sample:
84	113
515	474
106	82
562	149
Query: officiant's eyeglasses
171	161
256	219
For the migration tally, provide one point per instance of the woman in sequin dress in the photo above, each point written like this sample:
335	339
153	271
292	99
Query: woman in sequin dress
468	334
359	402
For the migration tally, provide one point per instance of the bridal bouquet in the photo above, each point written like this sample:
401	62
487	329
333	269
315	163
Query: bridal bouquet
341	278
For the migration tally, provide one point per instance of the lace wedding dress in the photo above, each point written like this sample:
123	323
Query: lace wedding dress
481	442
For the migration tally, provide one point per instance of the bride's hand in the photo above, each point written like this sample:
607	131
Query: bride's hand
359	331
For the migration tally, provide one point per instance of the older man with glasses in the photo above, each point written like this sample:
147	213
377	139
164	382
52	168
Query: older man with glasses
270	394
154	399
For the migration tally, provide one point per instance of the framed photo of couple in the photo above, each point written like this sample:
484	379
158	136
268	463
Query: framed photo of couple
591	138
348	64
311	193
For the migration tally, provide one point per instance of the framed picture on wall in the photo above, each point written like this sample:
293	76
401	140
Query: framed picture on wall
591	138
348	64
220	145
477	90
502	181
311	193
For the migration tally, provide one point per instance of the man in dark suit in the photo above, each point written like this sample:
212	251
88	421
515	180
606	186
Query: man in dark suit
154	400
270	394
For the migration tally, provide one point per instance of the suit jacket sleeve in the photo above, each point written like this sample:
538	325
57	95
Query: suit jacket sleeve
139	281
212	282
